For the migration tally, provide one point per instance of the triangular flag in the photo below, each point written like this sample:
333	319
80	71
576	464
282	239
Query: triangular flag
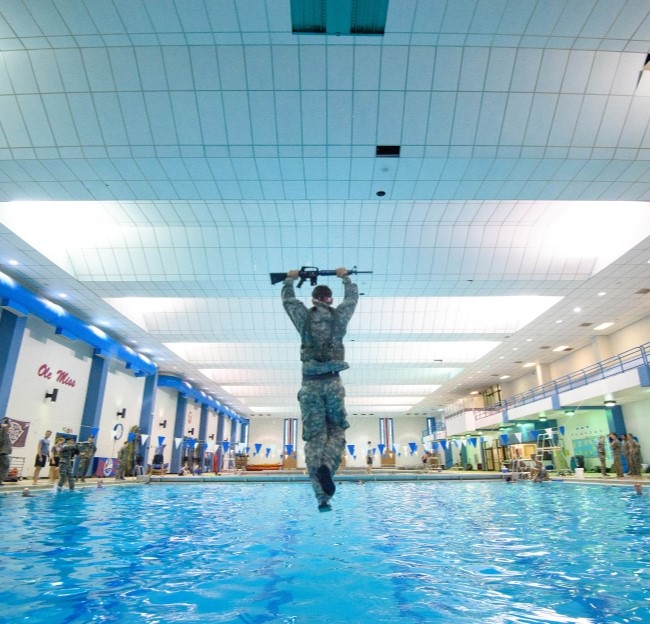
473	442
549	431
413	446
381	448
268	451
435	446
144	437
443	443
562	429
518	436
289	448
161	440
94	431
258	448
226	445
504	439
177	442
351	449
130	437
534	434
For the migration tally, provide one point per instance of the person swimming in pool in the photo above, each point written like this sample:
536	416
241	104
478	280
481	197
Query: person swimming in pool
322	395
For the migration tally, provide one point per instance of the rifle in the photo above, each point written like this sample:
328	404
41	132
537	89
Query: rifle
311	274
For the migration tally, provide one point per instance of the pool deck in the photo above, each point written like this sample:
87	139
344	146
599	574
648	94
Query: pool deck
298	476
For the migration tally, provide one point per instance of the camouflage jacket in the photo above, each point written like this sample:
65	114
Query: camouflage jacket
321	328
67	453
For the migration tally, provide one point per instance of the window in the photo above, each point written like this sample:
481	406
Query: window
386	432
290	432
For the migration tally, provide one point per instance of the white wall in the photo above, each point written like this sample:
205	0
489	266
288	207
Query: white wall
637	422
619	341
269	433
581	425
572	362
631	336
165	409
409	429
123	390
41	348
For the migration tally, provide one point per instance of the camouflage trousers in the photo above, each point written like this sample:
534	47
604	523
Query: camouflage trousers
82	468
66	472
602	458
5	463
324	421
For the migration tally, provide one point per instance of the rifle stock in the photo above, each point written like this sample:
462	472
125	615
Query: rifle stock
276	278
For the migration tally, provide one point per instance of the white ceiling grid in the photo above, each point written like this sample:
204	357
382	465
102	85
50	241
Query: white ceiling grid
185	149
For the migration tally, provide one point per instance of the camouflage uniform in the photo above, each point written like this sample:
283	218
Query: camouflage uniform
602	455
66	464
87	453
5	451
625	452
634	455
121	464
616	452
322	396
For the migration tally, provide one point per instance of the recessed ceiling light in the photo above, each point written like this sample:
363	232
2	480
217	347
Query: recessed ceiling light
561	348
602	294
577	309
62	295
602	326
529	364
474	392
515	348
559	321
504	377
529	339
13	262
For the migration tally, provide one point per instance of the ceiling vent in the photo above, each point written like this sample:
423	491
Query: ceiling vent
338	17
643	291
387	151
586	324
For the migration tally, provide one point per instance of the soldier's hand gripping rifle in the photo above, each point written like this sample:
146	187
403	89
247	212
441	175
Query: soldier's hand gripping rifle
312	274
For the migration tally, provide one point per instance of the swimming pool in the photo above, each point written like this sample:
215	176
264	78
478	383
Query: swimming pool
452	552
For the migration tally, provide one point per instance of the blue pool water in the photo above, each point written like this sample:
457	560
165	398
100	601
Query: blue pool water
452	552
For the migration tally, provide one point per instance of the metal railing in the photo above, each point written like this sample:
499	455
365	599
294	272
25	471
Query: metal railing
615	365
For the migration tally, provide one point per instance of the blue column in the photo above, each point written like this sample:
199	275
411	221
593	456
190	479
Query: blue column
94	396
233	432
221	419
177	453
220	427
449	456
203	428
615	420
12	328
146	413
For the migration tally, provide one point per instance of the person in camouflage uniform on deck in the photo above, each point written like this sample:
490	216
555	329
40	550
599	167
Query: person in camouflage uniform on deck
85	457
66	462
322	395
602	455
